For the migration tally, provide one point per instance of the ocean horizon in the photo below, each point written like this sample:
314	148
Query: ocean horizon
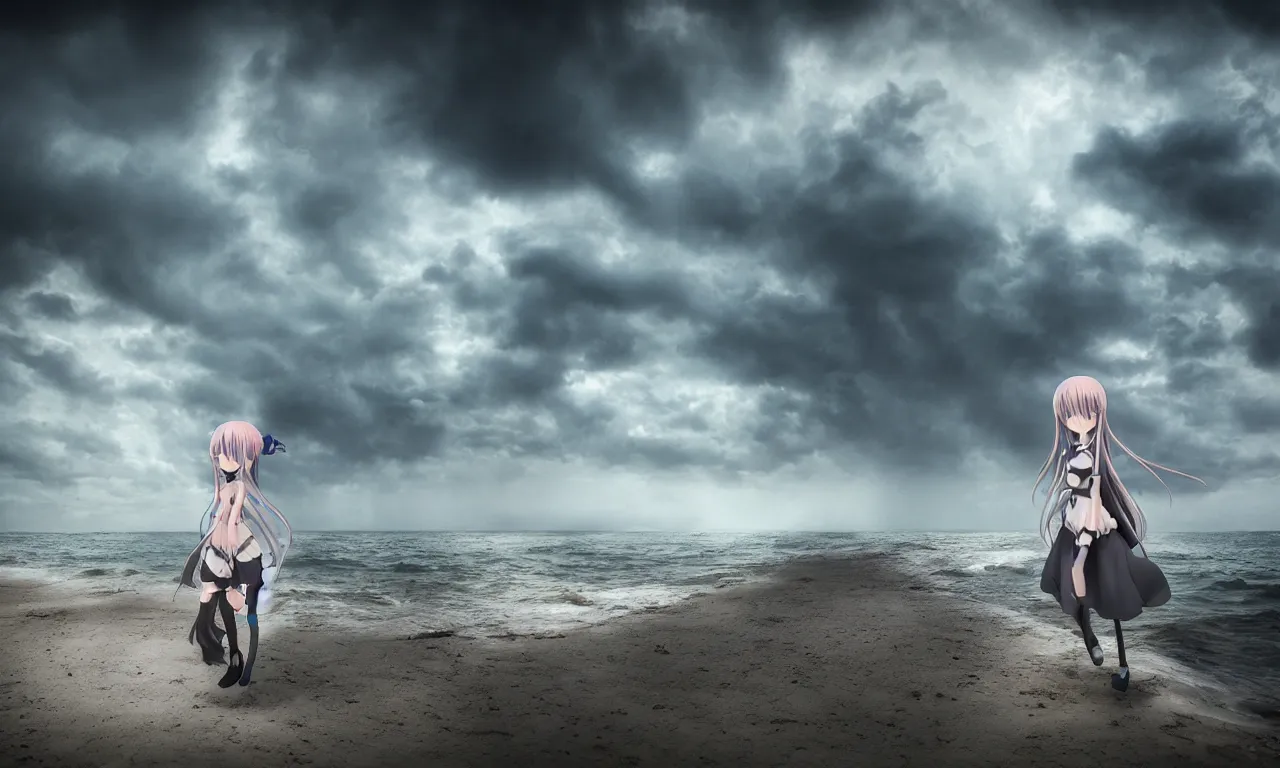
736	531
1222	623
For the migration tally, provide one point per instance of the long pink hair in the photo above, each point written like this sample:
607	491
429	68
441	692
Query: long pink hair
241	442
1084	396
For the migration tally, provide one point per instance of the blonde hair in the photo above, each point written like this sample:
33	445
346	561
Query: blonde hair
1083	396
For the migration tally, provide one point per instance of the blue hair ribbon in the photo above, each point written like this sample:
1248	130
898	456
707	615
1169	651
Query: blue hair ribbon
270	445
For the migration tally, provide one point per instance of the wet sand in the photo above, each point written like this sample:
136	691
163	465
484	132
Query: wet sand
837	662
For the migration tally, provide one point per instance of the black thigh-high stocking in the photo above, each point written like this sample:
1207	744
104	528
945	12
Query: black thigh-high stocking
1082	613
1120	680
204	633
251	607
1086	631
236	663
253	585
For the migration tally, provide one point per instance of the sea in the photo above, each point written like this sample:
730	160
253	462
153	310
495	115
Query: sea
1222	624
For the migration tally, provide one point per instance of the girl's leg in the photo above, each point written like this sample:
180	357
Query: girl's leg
236	664
1082	610
1077	567
252	572
1120	680
204	631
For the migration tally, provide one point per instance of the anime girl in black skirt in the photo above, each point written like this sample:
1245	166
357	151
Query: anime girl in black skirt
242	552
1091	564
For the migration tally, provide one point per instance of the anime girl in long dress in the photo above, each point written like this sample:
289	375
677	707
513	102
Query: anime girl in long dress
1091	564
241	552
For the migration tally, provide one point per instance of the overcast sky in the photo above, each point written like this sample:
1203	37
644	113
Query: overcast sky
743	265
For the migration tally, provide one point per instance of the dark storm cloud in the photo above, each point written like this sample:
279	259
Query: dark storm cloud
54	306
23	464
327	185
1196	180
1190	340
914	322
118	71
583	312
52	366
343	389
564	279
80	453
144	237
523	97
1258	416
119	228
560	310
1180	43
533	96
1191	175
1257	290
912	331
1246	16
919	319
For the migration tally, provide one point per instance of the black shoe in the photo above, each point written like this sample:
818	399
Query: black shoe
233	670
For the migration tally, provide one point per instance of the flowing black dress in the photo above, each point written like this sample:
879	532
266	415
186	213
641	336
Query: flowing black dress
1118	583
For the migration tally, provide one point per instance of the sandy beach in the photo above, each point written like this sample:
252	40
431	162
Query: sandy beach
830	662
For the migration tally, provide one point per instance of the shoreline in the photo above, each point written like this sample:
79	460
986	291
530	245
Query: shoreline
831	660
77	582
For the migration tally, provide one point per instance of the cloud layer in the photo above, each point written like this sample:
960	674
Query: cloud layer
506	266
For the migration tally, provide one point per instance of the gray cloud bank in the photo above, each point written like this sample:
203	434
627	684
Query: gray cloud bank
736	240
